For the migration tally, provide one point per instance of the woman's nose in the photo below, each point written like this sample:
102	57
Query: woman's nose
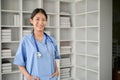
42	21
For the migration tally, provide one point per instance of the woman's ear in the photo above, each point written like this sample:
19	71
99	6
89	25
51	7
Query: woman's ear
31	21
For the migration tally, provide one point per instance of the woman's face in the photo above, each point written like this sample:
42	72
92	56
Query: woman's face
39	22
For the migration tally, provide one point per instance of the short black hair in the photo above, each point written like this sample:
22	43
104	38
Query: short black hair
38	10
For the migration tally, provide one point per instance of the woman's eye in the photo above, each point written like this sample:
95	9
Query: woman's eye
40	20
37	19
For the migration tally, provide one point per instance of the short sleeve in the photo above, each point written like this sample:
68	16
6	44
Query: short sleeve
20	57
57	56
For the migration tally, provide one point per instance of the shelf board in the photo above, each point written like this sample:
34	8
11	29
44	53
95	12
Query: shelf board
68	1
92	70
87	12
78	14
27	26
66	66
81	54
68	78
10	41
8	57
92	41
11	26
65	46
27	12
66	53
50	13
93	26
51	0
94	11
81	67
80	27
66	27
66	40
65	14
11	11
14	71
78	1
81	40
94	56
51	27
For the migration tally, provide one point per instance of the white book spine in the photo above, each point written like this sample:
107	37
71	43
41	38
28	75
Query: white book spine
6	30
5	33
18	20
6	50
15	19
6	37
5	40
8	67
6	64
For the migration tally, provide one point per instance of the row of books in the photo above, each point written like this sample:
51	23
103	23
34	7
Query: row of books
6	66
66	62
65	22
6	34
25	32
65	49
65	73
16	19
5	52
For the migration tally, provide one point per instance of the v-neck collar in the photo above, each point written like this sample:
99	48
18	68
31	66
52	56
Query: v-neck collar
43	40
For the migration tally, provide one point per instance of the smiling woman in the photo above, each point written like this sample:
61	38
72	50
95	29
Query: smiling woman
40	48
38	20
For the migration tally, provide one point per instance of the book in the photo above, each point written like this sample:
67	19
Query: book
6	50
7	68
6	63
6	30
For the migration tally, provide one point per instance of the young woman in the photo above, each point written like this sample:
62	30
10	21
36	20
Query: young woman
38	51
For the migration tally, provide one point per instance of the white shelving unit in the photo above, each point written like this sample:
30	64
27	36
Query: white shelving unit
11	35
93	51
82	29
66	38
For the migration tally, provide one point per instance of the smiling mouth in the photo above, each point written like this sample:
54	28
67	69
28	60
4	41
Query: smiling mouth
40	26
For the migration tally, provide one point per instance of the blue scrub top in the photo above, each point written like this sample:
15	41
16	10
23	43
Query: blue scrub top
42	67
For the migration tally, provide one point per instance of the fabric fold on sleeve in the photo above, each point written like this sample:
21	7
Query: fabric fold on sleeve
20	57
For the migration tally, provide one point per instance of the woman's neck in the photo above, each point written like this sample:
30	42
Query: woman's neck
39	35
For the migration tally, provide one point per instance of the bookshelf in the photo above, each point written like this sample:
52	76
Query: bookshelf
90	24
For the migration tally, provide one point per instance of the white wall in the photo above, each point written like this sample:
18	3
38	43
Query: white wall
106	39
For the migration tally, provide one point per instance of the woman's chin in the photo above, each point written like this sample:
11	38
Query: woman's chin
40	30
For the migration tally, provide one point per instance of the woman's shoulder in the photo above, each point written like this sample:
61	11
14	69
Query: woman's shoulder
51	37
26	37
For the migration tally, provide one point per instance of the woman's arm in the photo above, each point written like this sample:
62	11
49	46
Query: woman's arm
56	71
23	70
26	74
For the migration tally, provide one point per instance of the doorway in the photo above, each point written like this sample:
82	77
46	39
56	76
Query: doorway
116	40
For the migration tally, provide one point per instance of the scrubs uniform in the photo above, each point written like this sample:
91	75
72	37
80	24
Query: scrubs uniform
42	67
